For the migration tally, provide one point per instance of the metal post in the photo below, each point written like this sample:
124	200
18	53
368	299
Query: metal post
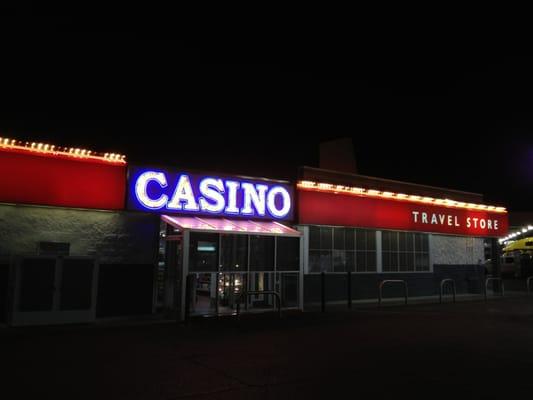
494	280
323	290
349	288
382	283
442	283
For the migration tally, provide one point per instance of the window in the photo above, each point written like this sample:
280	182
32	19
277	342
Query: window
262	253
234	252
288	254
405	251
203	251
341	249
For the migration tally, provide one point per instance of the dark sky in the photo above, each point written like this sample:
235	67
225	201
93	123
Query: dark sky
259	101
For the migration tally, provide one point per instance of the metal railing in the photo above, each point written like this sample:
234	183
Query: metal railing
259	292
528	284
444	282
382	283
495	280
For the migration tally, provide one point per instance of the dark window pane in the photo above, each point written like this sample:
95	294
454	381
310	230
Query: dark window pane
350	261
411	261
403	262
314	260
360	239
418	241
338	239
394	259
371	263
76	284
288	254
402	241
422	262
261	253
419	261
339	261
385	240
409	242
234	252
394	241
425	243
326	261
371	240
314	237
349	239
325	238
203	252
385	259
37	284
361	261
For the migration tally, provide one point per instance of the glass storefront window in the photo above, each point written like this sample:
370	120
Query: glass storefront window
288	254
405	251
261	253
341	249
234	252
203	252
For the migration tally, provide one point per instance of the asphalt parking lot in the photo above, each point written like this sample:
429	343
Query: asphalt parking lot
473	349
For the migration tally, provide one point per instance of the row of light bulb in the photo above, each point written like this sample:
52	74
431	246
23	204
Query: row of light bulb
328	187
515	234
68	151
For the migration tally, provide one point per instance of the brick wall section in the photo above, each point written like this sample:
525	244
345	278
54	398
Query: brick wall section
113	237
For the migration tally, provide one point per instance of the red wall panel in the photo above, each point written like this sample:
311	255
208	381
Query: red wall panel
61	181
323	208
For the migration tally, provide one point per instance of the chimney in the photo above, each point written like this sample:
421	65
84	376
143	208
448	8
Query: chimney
338	155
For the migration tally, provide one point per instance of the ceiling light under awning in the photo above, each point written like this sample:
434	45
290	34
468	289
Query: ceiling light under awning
226	225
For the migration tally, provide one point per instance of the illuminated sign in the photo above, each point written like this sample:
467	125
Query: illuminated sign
329	208
179	192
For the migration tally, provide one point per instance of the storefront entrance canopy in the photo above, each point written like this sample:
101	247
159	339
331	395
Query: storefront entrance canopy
225	225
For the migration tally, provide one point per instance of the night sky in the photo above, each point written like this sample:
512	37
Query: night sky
259	103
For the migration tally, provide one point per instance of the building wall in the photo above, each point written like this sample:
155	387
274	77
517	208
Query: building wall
452	257
125	244
456	250
112	237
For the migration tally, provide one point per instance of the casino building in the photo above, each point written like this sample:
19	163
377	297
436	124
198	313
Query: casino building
86	236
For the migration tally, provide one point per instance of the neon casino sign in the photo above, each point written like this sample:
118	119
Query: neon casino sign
163	191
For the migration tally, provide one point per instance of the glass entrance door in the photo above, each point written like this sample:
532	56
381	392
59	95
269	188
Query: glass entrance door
228	267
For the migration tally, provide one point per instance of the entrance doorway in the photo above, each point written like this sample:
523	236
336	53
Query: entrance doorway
225	259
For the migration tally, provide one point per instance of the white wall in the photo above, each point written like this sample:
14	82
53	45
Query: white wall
449	250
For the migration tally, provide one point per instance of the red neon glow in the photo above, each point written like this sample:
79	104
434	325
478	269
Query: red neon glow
357	191
324	208
61	152
34	178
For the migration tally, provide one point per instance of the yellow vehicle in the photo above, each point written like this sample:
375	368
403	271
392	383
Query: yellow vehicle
521	246
516	260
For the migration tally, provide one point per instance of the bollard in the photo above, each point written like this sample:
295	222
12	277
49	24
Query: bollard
323	290
349	288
